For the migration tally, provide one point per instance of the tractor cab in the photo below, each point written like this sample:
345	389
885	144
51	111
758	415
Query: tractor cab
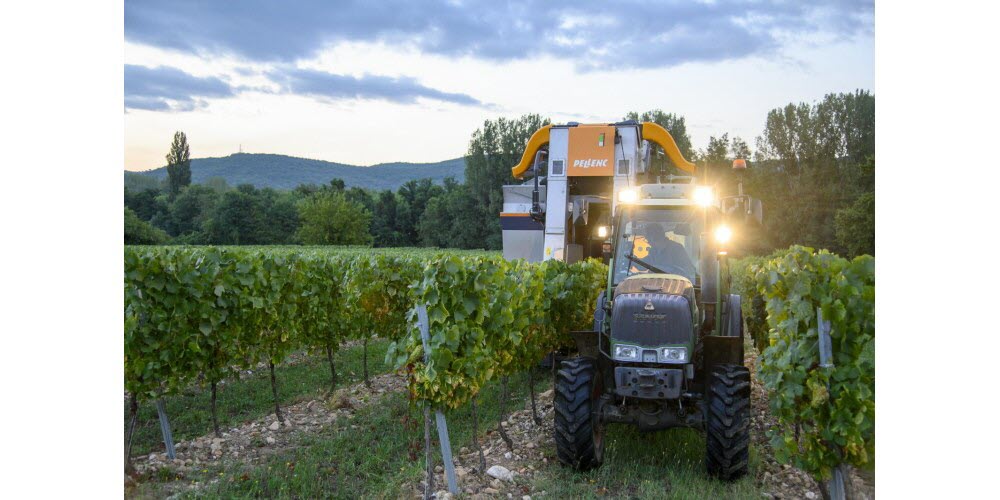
658	239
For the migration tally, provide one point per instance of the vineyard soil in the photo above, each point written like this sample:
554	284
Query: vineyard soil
299	378
361	443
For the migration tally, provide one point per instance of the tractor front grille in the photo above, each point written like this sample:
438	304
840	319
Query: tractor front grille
651	319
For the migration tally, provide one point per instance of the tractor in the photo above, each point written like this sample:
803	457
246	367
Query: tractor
666	348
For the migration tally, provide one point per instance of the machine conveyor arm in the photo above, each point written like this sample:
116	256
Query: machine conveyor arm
654	133
538	139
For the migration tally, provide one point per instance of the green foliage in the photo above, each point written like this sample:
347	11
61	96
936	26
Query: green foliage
454	220
810	163
493	150
856	226
140	232
137	182
378	296
831	410
198	312
176	314
328	218
178	164
490	318
146	203
191	209
744	284
675	124
387	227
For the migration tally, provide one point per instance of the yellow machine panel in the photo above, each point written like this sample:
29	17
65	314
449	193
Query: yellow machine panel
591	151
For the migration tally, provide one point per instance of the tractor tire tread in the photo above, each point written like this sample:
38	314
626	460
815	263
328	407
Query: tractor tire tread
727	422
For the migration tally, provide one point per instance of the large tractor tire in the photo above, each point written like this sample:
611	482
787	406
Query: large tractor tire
727	426
579	437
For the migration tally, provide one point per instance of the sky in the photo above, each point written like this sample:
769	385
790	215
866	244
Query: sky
368	82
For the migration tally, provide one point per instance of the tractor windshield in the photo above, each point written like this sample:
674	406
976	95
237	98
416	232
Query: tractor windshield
666	238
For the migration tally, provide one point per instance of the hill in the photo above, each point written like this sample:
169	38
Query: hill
287	172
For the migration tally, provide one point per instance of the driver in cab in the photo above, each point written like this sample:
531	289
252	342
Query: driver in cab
653	247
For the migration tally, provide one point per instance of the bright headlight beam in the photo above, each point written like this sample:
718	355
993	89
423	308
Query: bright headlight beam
703	196
723	234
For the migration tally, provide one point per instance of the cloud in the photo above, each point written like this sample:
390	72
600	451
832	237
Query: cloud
170	89
593	34
336	87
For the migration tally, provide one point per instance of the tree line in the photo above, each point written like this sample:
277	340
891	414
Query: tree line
813	167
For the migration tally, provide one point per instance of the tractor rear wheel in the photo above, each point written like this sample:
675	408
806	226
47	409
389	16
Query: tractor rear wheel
727	425
579	437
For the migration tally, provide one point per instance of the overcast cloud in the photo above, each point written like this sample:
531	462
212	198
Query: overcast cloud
169	89
595	34
315	78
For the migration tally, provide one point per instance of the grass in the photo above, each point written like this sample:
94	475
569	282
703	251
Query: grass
379	453
648	465
243	400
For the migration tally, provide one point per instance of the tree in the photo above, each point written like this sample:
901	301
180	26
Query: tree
282	215
238	218
178	164
192	207
140	232
493	150
413	197
337	184
361	196
811	162
145	203
386	225
218	184
738	148
453	219
678	130
328	218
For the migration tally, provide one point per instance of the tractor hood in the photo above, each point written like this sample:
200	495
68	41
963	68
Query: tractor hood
654	310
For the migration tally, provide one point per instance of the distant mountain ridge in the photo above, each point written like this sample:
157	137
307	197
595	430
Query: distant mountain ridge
287	172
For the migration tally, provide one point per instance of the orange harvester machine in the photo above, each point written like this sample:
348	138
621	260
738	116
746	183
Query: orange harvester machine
572	175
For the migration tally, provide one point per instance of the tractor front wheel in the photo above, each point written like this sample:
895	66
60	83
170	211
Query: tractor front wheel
579	436
727	425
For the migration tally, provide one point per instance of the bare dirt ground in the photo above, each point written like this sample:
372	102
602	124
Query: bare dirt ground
254	441
779	481
508	473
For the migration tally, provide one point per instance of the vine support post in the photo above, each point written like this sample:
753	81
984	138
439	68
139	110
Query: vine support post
215	415
428	459
503	414
834	488
133	407
333	368
442	424
475	434
365	362
274	392
168	438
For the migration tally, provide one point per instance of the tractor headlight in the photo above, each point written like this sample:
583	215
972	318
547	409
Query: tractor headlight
673	355
703	196
628	196
626	352
723	234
